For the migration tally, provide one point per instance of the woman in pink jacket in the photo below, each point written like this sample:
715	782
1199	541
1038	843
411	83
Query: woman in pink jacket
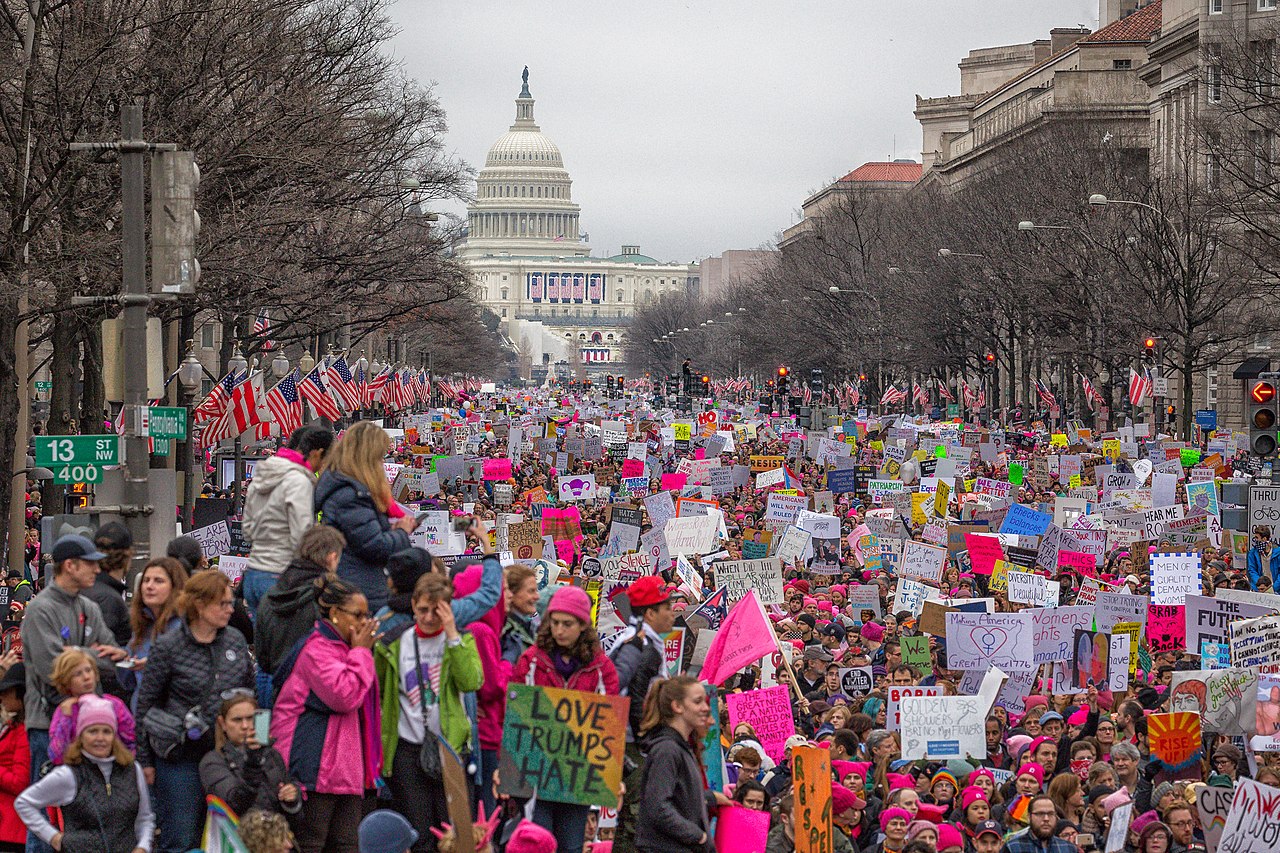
566	654
490	701
326	722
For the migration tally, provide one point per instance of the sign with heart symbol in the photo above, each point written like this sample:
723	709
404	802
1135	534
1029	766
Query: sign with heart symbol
979	641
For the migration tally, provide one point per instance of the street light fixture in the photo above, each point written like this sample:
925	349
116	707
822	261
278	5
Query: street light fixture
190	371
237	363
947	253
306	364
1028	225
280	366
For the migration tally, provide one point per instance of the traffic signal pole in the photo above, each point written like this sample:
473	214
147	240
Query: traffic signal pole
134	299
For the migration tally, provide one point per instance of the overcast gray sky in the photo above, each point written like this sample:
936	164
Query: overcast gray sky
694	127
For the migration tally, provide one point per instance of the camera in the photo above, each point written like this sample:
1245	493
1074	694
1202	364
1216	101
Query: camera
461	523
195	724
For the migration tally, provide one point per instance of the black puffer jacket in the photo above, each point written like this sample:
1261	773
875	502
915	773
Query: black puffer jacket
246	779
348	505
287	613
182	674
677	806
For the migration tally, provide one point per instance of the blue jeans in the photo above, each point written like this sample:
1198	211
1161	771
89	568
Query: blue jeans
38	743
254	585
566	821
178	800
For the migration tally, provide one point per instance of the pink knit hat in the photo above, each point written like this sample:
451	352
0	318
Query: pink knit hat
891	813
95	711
1079	718
982	771
571	600
1017	743
531	838
873	632
971	795
899	780
1034	770
842	799
948	837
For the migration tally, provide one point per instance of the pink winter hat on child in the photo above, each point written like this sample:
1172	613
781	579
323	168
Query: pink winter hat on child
95	711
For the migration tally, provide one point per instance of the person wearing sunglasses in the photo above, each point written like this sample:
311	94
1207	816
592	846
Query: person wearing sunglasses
187	672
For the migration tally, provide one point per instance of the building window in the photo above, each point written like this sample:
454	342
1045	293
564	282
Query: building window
619	295
1261	341
206	385
1265	5
1213	84
208	338
1215	7
504	293
1122	64
504	313
1213	171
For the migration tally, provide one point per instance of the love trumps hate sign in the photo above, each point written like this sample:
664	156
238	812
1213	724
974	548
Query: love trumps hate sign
565	745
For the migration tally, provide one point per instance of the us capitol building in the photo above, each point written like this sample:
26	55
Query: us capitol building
533	265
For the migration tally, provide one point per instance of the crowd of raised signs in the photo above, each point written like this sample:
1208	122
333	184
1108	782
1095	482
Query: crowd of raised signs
549	622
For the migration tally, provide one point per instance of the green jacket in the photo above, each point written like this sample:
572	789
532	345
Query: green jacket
460	672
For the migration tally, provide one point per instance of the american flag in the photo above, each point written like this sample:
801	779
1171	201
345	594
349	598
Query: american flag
216	403
944	392
1140	386
918	394
377	384
1090	392
1045	393
315	391
892	396
970	396
342	383
245	409
285	404
262	329
807	395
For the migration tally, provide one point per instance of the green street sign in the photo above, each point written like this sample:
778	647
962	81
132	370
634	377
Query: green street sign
44	385
168	422
55	450
160	446
953	410
77	474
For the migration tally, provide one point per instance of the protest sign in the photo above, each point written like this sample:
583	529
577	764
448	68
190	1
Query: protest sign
1209	618
1120	820
579	487
982	640
1030	588
915	652
1113	607
855	681
566	745
739	576
691	534
1225	700
1025	521
1212	805
1256	642
792	546
922	561
1091	662
712	753
661	508
524	540
215	539
1175	738
1166	627
811	784
893	712
1253	822
739	829
910	595
943	727
1174	576
984	551
1055	629
768	710
233	567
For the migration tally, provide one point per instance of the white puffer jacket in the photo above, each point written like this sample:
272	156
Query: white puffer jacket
278	509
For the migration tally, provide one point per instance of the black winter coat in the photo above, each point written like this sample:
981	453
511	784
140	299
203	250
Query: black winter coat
183	674
676	803
287	613
348	505
246	779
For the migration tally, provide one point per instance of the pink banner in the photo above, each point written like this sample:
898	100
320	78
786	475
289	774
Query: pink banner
1166	627
632	468
497	469
673	481
983	552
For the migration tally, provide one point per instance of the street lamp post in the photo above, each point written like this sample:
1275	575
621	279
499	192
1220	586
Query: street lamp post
190	372
237	365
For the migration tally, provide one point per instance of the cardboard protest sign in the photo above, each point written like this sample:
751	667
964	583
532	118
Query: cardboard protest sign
943	727
1225	700
215	539
1212	805
982	640
740	829
1253	822
915	652
566	745
1175	739
1031	588
1166	627
769	712
691	534
811	784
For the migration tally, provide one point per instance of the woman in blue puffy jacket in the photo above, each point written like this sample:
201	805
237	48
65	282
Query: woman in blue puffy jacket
354	496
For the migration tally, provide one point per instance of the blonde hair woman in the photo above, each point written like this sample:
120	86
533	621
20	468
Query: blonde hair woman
354	496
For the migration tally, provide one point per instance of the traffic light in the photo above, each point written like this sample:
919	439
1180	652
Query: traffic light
608	384
1261	409
782	380
706	385
175	222
815	380
617	384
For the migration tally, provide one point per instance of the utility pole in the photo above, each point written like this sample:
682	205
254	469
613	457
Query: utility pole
135	299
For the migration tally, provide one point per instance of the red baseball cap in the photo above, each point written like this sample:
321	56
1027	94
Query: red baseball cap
648	591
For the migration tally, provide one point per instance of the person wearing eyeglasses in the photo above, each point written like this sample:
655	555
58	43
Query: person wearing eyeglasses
187	672
1038	837
1226	761
1181	819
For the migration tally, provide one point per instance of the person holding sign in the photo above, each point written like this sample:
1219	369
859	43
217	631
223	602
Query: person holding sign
677	806
566	653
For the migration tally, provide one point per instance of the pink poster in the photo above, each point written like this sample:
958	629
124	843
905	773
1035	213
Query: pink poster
741	830
769	713
497	469
983	552
632	468
673	481
1167	627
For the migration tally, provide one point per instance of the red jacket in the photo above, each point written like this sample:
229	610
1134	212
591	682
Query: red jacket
15	776
535	667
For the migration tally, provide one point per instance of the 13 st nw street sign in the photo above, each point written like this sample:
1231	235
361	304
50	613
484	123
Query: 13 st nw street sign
98	450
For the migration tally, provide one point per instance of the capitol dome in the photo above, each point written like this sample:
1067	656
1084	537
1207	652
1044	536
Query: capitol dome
523	204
